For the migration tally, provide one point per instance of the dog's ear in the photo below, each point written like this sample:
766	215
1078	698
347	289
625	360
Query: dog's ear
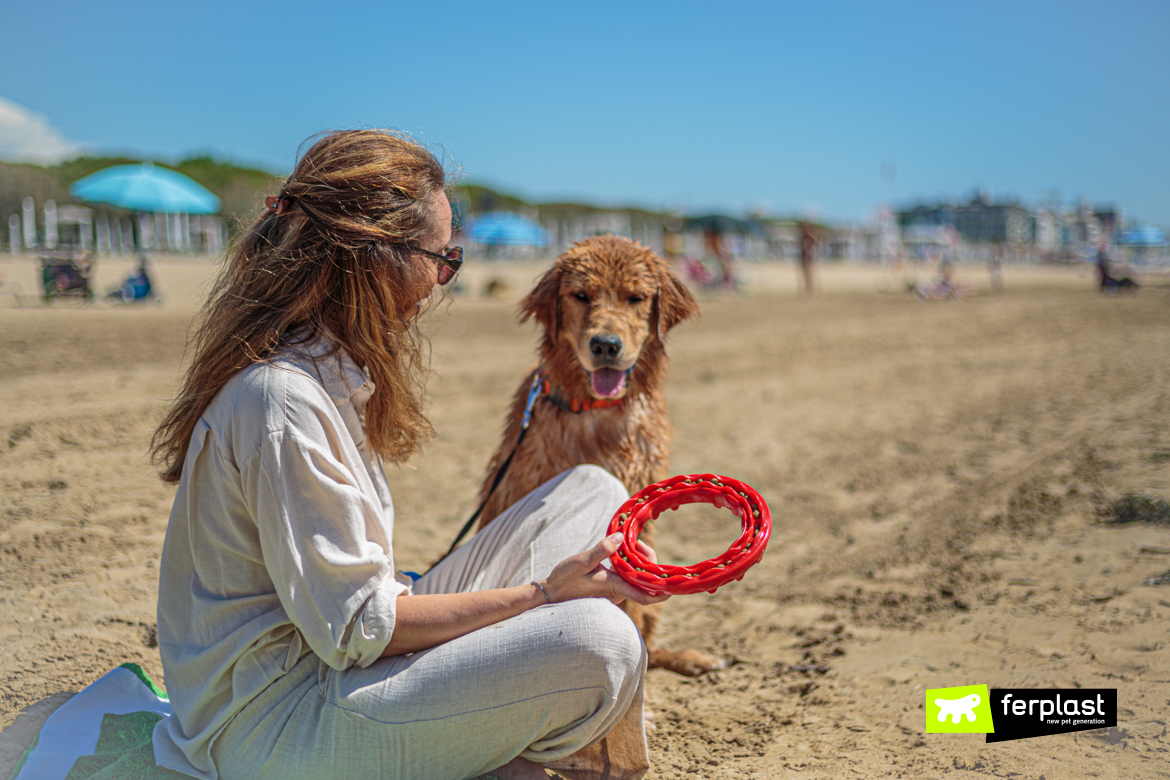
544	303
673	302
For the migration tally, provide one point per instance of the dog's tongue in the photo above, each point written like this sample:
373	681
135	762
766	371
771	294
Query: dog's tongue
608	382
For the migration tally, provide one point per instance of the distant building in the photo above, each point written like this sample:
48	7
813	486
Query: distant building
940	215
781	238
79	228
972	230
976	230
570	222
1110	219
983	222
928	231
1046	231
926	241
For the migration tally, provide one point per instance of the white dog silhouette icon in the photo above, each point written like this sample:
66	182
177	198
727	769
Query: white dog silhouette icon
957	708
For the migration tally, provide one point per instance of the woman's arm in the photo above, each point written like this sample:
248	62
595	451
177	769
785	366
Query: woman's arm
425	621
421	622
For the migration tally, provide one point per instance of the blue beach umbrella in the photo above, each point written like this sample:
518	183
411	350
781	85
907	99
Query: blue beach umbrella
1143	235
502	227
145	187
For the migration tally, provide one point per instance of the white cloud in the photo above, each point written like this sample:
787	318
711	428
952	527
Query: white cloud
29	137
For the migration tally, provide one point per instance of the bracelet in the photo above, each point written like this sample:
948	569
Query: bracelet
547	600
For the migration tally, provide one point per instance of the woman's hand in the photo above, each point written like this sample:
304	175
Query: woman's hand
582	576
428	620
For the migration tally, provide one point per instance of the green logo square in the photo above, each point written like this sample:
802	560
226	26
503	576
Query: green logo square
962	710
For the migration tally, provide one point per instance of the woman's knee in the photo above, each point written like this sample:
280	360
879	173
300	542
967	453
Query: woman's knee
598	483
598	478
602	638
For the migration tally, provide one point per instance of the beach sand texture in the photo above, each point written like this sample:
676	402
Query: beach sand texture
935	472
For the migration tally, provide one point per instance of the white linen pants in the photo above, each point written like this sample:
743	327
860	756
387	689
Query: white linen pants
560	684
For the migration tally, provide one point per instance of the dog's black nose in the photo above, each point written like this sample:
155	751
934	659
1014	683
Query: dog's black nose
606	346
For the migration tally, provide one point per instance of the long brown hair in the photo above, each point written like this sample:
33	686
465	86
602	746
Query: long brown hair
335	261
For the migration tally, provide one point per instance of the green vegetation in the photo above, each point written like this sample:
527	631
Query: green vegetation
241	190
476	199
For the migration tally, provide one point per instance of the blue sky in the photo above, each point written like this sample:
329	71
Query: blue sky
789	107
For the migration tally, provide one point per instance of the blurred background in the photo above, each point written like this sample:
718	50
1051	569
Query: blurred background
1027	133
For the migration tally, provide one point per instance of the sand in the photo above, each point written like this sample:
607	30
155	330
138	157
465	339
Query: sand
936	471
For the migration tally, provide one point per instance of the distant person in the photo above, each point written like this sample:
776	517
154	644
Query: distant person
1108	280
995	268
136	287
946	288
496	288
809	241
899	273
84	263
140	280
713	238
674	243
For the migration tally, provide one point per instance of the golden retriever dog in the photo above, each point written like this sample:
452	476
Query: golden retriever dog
605	307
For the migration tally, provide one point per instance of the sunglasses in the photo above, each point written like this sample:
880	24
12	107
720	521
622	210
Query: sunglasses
450	261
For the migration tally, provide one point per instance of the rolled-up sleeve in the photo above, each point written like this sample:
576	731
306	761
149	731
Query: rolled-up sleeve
324	544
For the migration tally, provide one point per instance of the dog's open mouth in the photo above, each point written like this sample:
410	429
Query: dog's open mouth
608	382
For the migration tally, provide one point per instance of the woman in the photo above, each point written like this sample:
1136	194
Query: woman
290	647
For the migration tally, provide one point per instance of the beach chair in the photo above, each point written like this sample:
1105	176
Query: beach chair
65	276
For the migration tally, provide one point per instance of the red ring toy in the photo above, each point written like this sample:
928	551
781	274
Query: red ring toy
723	492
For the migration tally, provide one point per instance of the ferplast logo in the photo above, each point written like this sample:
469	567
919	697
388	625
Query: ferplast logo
1018	713
1021	713
962	710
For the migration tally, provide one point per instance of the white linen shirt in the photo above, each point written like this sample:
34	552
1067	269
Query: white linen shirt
279	544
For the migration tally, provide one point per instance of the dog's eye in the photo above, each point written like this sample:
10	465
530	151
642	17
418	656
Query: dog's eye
581	297
635	299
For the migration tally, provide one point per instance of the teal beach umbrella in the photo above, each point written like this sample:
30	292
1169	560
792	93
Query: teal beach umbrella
145	187
1143	235
501	227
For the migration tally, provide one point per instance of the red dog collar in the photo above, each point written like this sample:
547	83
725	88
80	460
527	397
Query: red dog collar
651	501
576	405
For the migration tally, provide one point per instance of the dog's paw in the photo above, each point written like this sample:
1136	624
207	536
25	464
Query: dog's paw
689	663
